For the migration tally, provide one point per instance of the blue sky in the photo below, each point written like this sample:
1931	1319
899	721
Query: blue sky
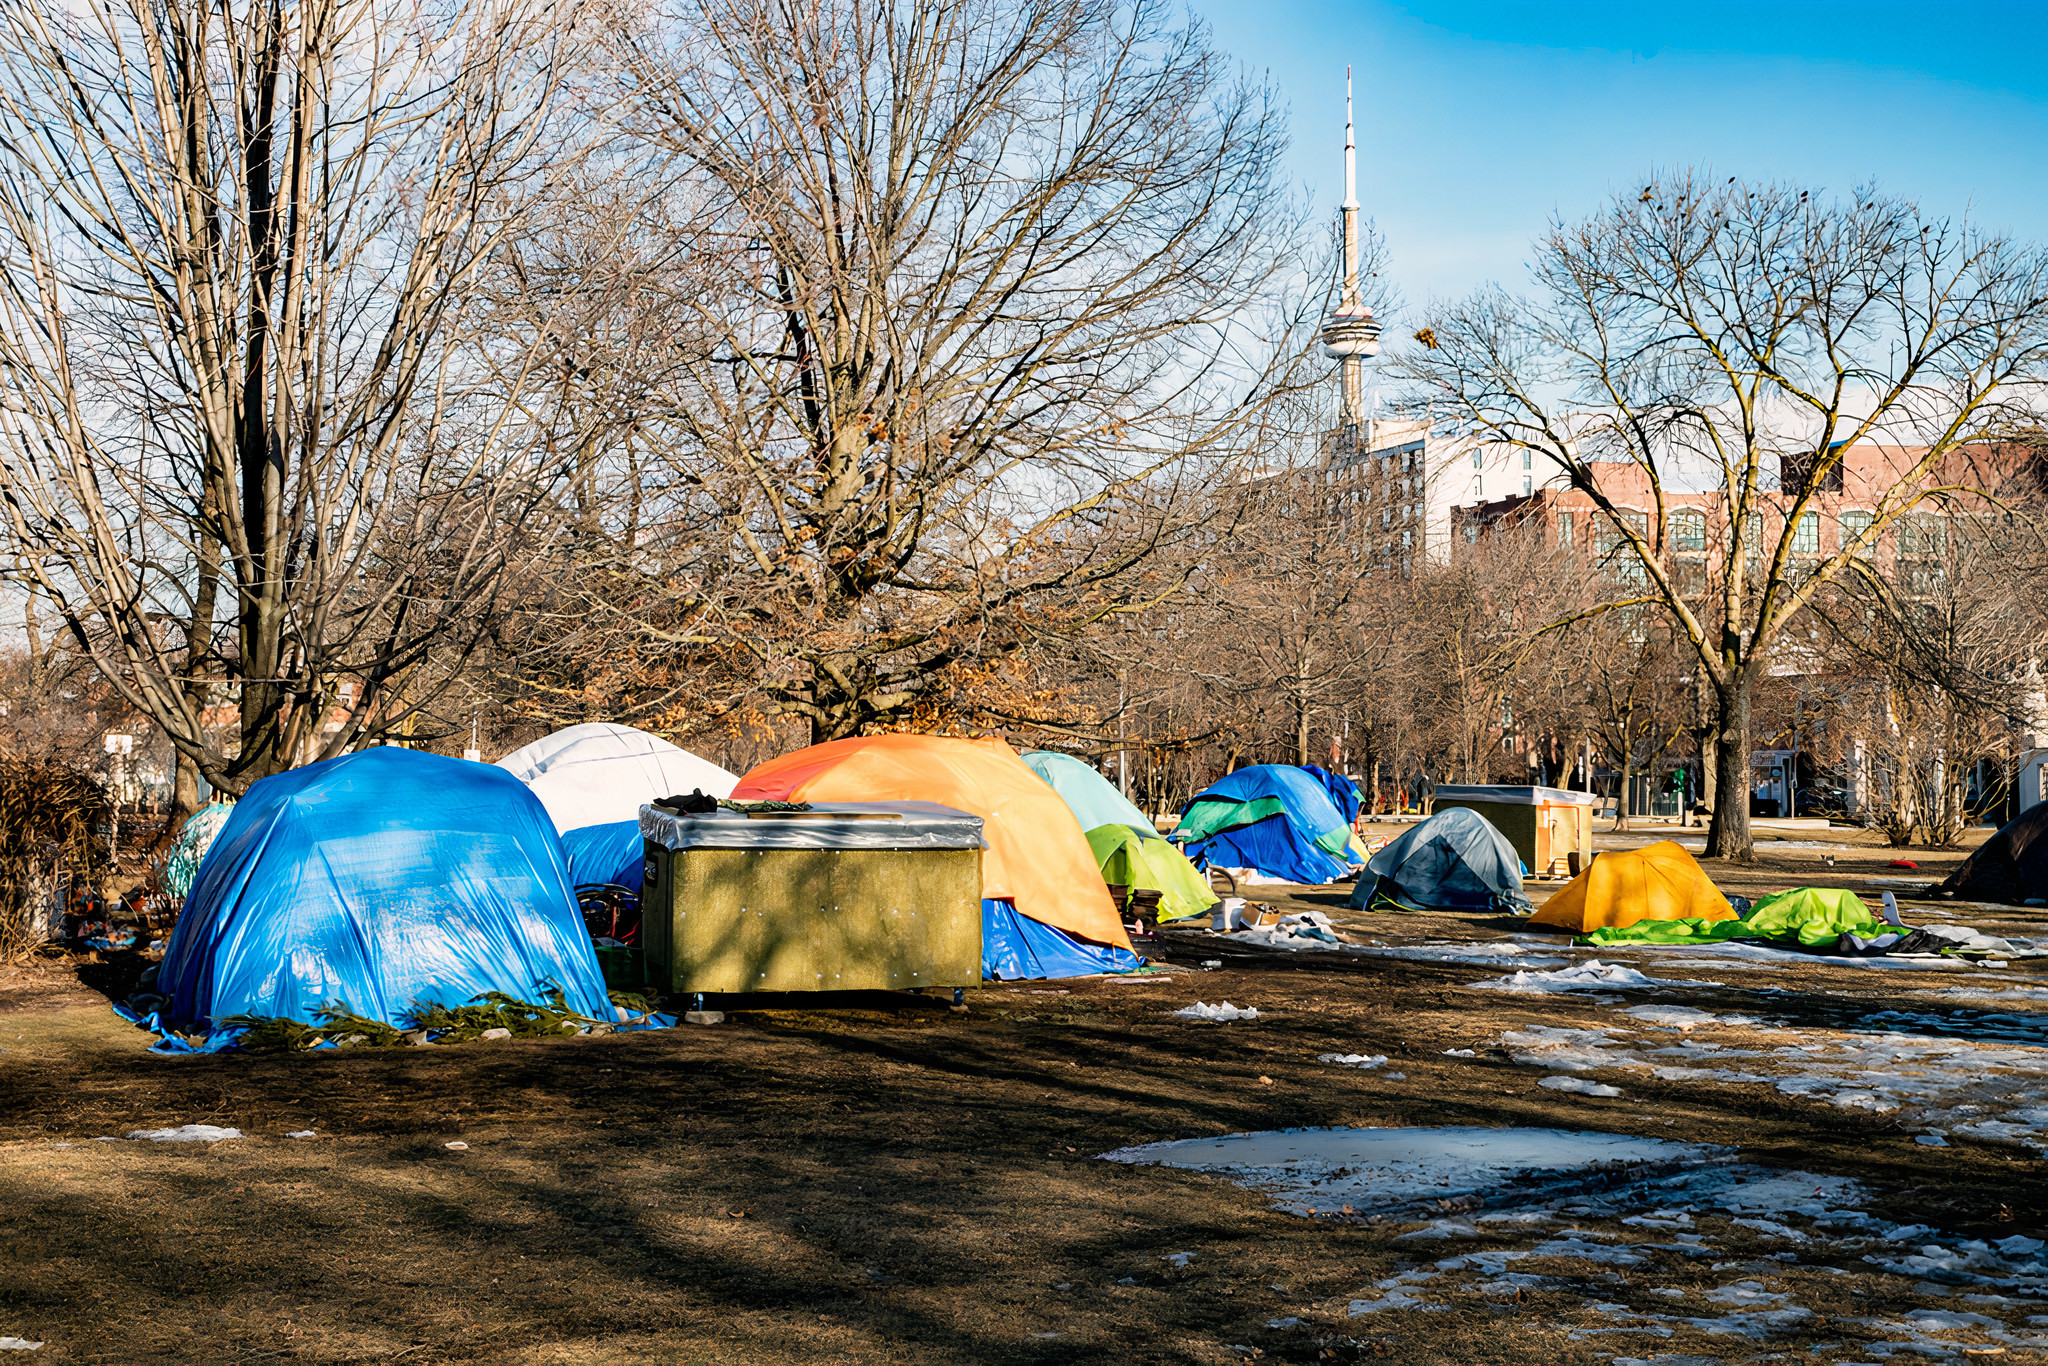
1479	120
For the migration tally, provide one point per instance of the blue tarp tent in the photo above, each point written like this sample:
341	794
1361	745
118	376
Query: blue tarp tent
1274	818
1092	798
1454	861
611	853
1343	792
378	880
1016	948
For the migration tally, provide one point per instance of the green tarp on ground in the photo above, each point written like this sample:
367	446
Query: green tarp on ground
1812	916
1129	859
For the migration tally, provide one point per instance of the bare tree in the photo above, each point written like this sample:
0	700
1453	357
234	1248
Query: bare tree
1746	335
997	290
1936	666
244	453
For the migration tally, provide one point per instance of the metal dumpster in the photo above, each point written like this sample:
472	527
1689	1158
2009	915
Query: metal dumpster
845	896
1547	825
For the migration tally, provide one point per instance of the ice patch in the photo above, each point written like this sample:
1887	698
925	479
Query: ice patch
1578	1086
1535	955
1379	1168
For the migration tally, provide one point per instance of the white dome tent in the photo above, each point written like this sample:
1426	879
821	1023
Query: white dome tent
598	773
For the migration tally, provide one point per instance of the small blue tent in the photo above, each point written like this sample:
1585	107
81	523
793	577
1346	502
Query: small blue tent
611	853
1454	861
378	880
1274	818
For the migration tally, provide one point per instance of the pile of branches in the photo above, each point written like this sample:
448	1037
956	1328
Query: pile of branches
338	1025
52	817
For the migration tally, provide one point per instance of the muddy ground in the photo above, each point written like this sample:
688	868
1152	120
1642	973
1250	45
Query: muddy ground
886	1181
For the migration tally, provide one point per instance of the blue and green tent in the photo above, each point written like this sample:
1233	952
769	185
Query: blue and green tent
1275	819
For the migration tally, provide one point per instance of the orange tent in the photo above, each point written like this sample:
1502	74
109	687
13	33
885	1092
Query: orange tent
1656	882
1037	855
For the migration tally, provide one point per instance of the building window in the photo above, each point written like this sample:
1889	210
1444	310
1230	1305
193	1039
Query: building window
1921	536
1854	525
1479	486
1528	486
1806	536
1477	456
1688	531
1405	542
1528	460
1564	528
1471	531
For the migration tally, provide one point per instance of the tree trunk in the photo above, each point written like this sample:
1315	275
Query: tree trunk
1628	769
1728	835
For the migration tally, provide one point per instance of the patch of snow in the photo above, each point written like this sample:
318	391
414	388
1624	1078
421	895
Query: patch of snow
1363	1061
186	1133
1219	1014
1591	975
1579	1086
1178	1258
1684	1017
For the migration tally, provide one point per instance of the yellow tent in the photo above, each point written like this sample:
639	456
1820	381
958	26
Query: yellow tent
1657	882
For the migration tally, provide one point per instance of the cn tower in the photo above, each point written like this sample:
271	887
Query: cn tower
1351	335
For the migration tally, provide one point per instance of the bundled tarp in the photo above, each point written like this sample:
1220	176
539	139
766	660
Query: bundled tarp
1148	863
2011	867
1045	910
1806	917
188	850
1274	819
599	773
1454	861
379	881
1622	887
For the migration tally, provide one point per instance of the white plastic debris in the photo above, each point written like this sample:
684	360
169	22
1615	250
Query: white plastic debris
457	1146
1219	1014
186	1133
1363	1061
1578	1086
302	1133
19	1345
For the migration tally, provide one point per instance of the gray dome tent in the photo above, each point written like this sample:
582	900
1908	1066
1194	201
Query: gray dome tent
1454	861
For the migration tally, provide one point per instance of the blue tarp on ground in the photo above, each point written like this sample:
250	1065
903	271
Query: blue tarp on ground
612	853
1454	861
1343	792
1016	948
378	880
1274	818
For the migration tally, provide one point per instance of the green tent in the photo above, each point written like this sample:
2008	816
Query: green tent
1812	916
1149	863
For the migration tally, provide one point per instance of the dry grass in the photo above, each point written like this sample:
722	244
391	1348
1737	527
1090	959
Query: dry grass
880	1182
